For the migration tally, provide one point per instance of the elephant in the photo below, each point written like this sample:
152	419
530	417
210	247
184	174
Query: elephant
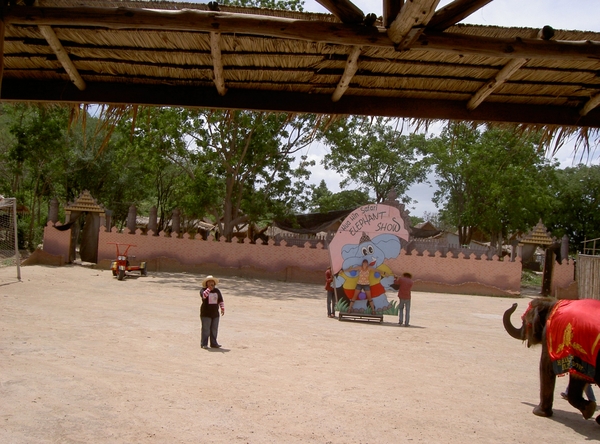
569	332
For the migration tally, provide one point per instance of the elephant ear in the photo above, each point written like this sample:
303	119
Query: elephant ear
540	315
537	326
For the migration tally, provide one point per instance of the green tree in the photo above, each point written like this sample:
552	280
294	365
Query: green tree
240	163
34	159
496	180
286	5
323	200
372	154
159	144
577	209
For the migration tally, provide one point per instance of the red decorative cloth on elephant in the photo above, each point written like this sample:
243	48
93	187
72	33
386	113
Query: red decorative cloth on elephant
573	337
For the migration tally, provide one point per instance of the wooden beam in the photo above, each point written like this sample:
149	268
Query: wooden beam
504	74
391	9
63	56
514	48
590	105
546	33
200	21
454	12
414	14
351	67
345	10
21	90
215	51
313	31
2	30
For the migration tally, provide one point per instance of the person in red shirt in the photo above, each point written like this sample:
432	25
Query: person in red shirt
331	299
405	284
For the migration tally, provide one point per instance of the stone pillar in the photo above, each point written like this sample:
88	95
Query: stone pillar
108	220
53	211
131	219
175	222
564	248
514	250
153	221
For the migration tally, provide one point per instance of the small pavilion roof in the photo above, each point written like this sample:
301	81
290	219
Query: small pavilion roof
538	236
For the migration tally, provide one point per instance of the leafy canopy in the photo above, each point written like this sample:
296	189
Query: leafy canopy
374	155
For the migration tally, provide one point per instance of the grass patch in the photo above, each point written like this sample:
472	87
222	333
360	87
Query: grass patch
531	279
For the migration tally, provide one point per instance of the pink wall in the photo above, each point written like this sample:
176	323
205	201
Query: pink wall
57	242
431	272
465	275
563	280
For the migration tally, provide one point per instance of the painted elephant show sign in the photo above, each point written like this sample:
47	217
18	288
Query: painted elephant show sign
374	233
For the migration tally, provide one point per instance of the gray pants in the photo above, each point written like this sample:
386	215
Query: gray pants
403	303
210	329
330	302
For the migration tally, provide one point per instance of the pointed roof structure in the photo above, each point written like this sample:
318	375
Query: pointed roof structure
85	203
538	236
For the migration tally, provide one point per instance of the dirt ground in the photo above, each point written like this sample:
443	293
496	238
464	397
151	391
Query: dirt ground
87	358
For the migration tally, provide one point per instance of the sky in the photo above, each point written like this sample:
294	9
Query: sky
579	15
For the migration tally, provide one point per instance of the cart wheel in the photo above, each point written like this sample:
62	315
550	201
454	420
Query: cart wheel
144	270
121	275
113	267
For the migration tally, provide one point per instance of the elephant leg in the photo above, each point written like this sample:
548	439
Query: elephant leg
575	398
547	384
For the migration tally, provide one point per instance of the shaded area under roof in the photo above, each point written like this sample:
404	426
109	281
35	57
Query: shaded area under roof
185	54
311	223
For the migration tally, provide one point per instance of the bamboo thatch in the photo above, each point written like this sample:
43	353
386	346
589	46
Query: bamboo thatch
299	66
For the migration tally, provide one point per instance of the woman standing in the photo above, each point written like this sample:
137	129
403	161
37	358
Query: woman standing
212	300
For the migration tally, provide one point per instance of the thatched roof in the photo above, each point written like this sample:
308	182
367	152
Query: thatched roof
415	63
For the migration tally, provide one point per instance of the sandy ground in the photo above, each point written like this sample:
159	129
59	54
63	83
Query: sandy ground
87	358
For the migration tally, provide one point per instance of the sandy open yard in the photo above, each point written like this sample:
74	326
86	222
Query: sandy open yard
87	358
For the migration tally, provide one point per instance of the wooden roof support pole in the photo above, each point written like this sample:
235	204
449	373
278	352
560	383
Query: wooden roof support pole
590	104
493	84
391	9
345	10
2	29
351	67
62	56
411	22
215	51
546	33
454	12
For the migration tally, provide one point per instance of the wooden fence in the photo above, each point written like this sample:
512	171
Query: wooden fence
588	276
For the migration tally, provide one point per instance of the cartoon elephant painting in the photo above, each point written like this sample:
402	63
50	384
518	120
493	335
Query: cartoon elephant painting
375	251
569	332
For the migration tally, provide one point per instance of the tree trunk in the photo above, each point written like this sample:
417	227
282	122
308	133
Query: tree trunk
465	234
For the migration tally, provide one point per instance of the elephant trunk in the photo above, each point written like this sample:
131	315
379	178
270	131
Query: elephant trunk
516	333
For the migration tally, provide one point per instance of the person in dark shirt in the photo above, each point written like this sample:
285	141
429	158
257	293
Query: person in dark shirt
212	301
330	293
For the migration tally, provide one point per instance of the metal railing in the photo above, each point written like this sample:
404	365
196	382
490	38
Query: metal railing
593	251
